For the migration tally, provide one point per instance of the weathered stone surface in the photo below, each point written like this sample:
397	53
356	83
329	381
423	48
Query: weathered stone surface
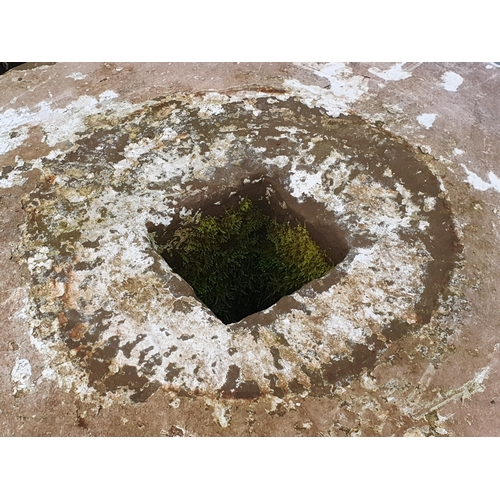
101	337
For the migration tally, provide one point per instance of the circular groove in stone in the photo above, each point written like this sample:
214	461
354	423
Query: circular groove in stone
115	317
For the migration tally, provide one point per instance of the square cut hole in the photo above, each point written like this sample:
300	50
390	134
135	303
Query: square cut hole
243	253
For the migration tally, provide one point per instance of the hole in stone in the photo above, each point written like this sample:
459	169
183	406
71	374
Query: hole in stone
242	253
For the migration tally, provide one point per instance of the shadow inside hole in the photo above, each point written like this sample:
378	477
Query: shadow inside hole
248	249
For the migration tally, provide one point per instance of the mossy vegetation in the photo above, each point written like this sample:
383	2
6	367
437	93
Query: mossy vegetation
244	261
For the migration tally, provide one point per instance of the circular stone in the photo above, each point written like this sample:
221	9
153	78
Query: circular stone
114	319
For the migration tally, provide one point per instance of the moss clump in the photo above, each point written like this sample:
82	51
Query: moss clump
244	261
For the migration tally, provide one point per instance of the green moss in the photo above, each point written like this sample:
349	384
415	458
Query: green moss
244	261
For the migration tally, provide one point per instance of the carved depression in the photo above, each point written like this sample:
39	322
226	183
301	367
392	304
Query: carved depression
231	245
